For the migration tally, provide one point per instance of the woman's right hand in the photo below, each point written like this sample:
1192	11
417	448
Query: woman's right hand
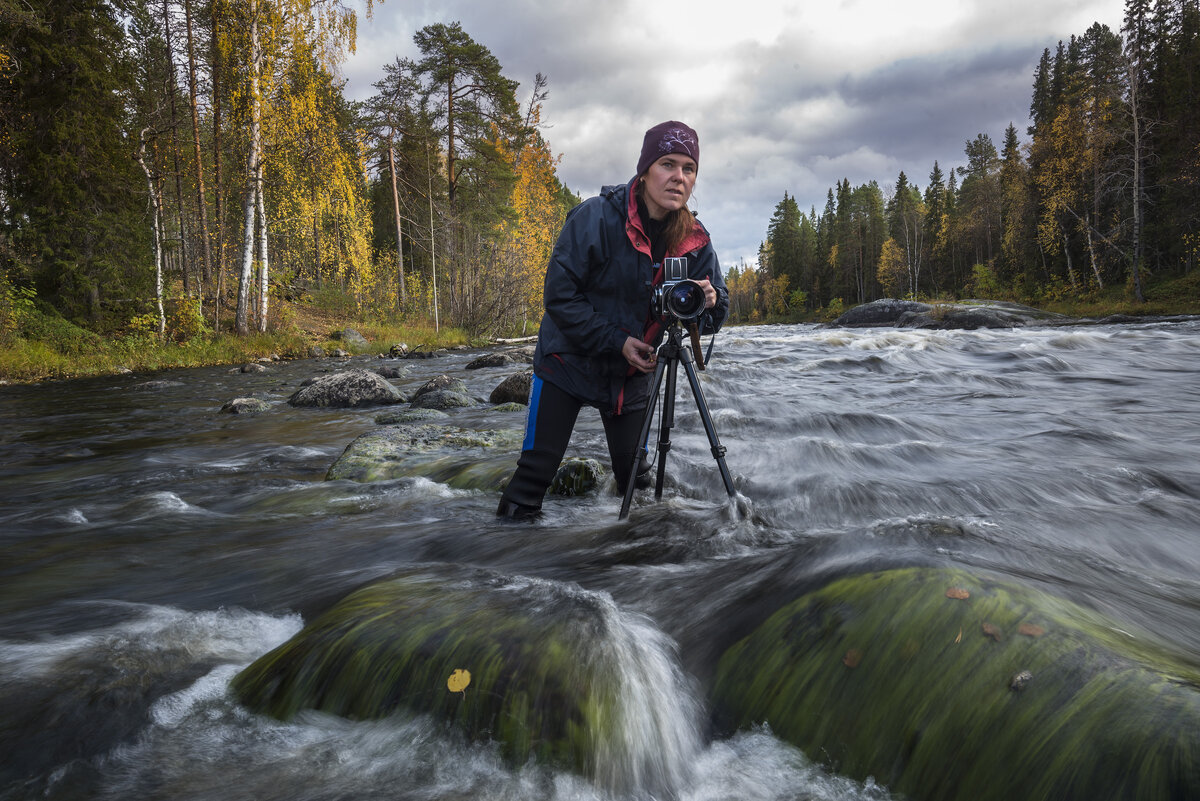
640	355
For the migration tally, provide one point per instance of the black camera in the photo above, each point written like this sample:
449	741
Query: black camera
679	297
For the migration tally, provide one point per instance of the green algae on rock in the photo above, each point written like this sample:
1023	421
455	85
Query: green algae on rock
549	666
943	684
462	458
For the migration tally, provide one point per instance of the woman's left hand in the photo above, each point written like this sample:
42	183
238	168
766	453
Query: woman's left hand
710	293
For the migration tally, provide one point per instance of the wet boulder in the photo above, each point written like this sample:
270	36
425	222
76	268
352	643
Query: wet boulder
947	684
245	406
546	670
157	385
577	476
442	399
498	359
966	315
442	392
410	415
347	389
462	458
514	389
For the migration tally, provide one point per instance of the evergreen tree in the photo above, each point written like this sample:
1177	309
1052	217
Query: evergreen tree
74	198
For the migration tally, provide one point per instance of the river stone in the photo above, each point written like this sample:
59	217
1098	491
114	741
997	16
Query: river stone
514	389
510	407
462	458
347	389
490	360
245	406
391	371
441	382
316	352
442	399
945	684
547	665
967	314
410	415
351	337
577	477
157	385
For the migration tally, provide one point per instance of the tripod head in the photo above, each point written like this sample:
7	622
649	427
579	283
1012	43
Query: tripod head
672	347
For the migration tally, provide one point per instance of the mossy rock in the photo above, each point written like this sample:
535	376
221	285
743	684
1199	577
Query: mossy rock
544	680
462	458
577	476
1004	693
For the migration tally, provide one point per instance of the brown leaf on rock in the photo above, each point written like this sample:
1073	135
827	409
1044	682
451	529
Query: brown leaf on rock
993	631
958	594
1030	630
852	658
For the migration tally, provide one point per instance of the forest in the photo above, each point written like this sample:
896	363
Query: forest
1103	194
174	168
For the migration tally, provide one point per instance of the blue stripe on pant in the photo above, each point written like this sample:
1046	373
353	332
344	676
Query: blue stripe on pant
548	426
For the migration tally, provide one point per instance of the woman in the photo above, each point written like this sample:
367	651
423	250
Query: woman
597	341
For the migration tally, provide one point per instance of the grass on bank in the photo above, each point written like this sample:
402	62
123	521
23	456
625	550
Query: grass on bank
37	346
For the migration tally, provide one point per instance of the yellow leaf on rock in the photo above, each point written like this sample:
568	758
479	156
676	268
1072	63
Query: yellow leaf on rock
958	594
1030	630
852	658
993	631
458	680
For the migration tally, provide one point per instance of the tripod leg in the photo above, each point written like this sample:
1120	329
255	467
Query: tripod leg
640	451
667	423
718	450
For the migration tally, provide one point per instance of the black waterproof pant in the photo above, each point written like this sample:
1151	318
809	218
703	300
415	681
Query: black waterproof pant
552	415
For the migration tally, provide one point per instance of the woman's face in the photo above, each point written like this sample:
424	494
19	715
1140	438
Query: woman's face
668	184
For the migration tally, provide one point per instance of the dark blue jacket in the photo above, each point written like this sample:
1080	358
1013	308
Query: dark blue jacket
599	287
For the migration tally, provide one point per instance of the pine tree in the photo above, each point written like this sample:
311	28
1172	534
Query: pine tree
73	193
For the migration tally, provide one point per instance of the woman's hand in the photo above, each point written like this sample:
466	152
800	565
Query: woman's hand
710	293
640	355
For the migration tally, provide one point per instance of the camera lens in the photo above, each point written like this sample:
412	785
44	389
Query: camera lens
685	300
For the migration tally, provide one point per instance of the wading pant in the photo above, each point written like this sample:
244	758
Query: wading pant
552	415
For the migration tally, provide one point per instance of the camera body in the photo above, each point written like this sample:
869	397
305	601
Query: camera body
678	297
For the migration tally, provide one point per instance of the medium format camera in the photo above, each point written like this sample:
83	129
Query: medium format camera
679	297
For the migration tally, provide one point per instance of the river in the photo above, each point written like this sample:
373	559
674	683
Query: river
154	546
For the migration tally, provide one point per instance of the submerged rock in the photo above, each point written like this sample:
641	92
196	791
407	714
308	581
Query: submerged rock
460	457
441	399
546	670
577	477
967	314
942	684
348	389
245	406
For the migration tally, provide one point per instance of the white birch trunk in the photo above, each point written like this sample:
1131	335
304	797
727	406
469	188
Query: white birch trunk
249	204
156	214
264	262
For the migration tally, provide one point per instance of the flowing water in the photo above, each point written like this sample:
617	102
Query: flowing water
152	547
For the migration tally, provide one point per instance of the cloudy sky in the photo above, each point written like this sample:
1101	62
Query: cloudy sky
787	96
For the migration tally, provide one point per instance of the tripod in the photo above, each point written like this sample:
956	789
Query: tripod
670	354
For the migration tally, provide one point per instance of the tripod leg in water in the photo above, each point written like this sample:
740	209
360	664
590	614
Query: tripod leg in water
665	425
641	451
718	450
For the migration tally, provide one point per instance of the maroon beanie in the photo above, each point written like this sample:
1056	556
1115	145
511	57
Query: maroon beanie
671	136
